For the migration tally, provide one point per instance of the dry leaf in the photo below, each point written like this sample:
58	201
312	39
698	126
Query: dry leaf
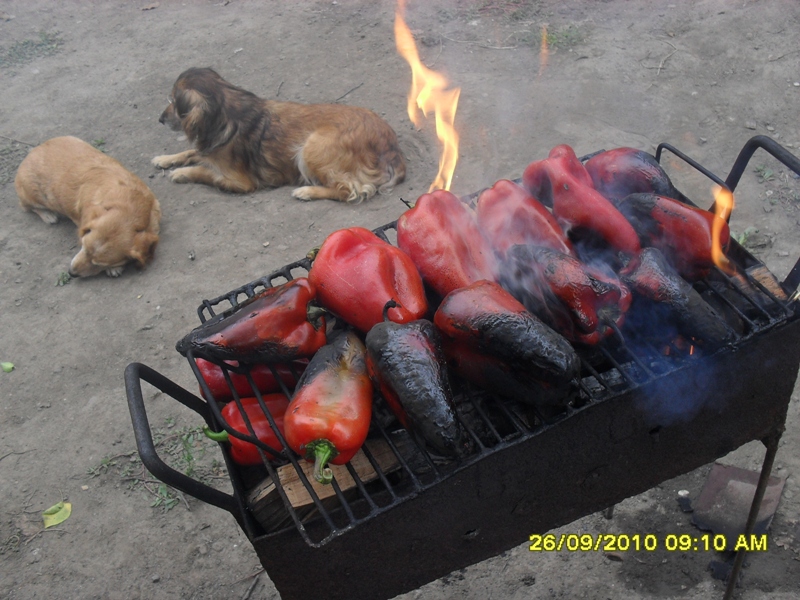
151	6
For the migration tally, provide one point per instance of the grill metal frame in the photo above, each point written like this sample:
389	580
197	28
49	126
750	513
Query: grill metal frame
378	532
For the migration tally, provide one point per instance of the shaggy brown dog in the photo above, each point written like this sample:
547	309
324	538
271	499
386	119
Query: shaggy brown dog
244	142
116	213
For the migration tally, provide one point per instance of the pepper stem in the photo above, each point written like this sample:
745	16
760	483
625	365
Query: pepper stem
217	436
390	304
322	451
314	315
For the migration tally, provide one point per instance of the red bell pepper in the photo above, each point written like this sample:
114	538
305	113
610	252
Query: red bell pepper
509	215
561	181
594	300
441	236
263	378
486	318
356	273
328	418
407	365
246	453
279	324
680	231
622	171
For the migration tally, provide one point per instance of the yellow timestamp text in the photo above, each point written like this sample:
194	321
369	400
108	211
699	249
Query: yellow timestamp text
637	542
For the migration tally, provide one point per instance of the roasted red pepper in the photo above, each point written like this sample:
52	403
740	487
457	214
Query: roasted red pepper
680	231
328	418
263	378
622	171
279	324
595	301
509	215
408	366
486	318
650	276
246	453
561	181
441	236
356	273
497	377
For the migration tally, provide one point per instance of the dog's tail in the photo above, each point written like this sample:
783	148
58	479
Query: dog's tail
394	169
391	171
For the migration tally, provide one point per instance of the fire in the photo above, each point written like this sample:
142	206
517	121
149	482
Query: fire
429	93
723	206
544	52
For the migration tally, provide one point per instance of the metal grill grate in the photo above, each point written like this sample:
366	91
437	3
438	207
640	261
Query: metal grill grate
616	366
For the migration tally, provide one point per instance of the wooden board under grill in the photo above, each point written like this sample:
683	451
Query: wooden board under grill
269	509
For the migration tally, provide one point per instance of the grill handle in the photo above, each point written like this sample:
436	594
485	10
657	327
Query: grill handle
134	374
792	281
747	151
780	153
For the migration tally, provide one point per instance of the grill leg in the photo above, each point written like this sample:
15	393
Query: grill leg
771	443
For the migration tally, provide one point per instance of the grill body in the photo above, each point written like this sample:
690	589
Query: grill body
641	428
602	454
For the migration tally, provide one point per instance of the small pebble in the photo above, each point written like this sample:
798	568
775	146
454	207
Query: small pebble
156	578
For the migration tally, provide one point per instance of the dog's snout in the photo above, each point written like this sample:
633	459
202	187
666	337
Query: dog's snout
163	117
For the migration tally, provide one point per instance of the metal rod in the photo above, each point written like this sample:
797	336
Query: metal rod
771	443
486	421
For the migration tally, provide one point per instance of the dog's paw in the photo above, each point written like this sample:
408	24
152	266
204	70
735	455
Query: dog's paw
115	271
163	162
47	216
303	193
181	175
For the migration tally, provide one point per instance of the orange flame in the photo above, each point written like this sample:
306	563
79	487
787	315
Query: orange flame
544	52
723	207
428	93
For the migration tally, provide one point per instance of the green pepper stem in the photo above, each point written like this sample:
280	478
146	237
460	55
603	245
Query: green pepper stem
217	436
322	451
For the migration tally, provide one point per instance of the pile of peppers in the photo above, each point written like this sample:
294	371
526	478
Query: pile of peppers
499	295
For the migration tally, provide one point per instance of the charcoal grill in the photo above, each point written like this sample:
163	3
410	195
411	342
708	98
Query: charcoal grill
426	517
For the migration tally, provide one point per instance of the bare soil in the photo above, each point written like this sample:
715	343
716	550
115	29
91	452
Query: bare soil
704	76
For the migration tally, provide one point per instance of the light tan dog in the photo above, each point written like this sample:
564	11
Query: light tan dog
243	143
116	213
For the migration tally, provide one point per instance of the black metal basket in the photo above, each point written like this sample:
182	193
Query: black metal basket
530	472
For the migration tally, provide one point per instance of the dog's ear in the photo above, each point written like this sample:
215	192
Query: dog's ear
195	113
144	248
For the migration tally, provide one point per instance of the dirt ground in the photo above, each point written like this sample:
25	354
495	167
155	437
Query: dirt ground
705	76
